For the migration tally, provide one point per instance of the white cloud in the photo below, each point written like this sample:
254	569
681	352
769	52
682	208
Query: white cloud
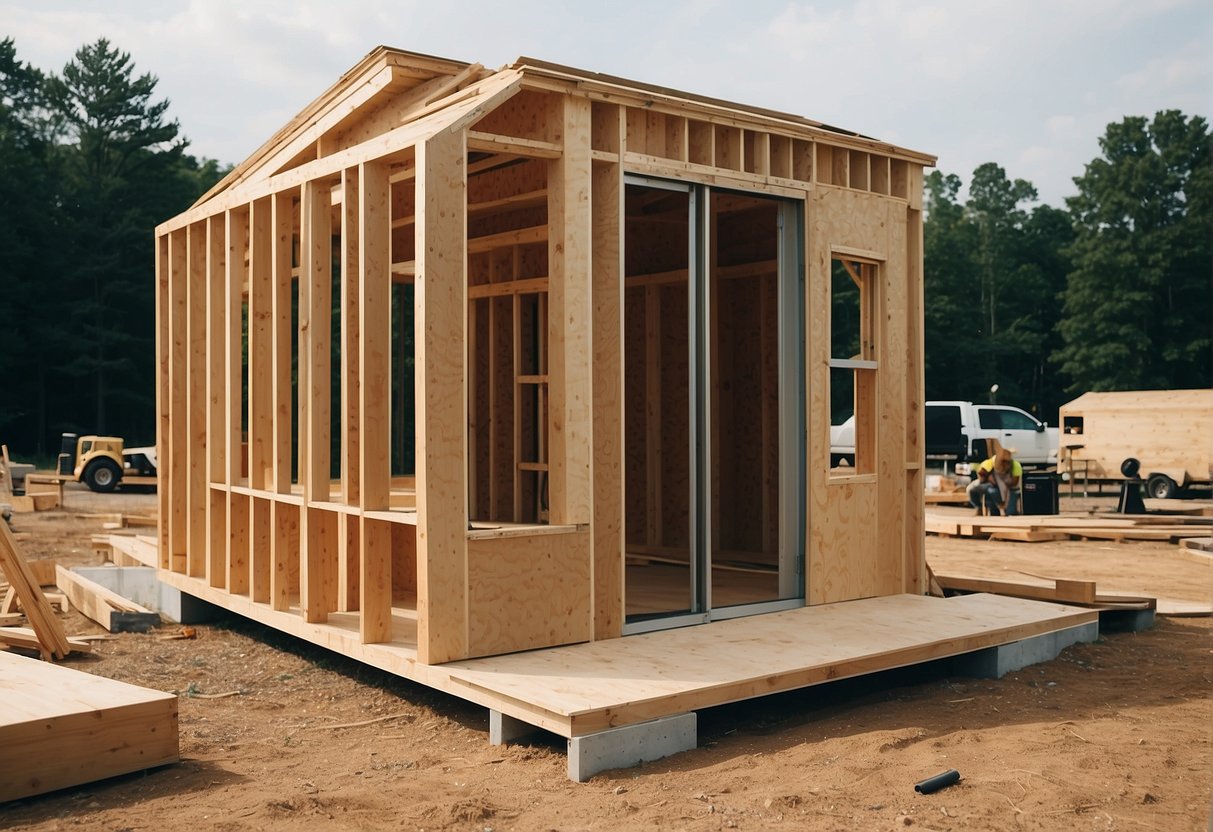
1030	85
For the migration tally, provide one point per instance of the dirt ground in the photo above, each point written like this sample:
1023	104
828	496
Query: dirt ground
1114	735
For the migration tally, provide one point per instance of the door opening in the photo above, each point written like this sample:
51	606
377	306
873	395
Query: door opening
713	404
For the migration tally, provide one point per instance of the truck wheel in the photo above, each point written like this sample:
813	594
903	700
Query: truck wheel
1161	487
102	475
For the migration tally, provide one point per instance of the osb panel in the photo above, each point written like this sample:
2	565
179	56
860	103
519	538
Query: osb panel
845	559
528	592
857	530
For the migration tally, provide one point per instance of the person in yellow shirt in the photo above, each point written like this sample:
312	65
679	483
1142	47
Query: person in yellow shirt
997	484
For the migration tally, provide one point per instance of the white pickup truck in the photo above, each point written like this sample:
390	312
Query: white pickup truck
952	428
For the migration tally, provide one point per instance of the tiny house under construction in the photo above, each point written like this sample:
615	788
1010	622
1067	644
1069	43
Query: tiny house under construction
463	363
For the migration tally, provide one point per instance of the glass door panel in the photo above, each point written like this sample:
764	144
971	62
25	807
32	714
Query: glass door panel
661	571
753	372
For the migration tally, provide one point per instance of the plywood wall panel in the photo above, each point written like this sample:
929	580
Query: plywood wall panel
527	592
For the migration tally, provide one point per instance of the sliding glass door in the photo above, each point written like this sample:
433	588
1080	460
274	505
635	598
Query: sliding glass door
713	403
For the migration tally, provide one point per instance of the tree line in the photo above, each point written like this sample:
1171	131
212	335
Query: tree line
1112	292
90	163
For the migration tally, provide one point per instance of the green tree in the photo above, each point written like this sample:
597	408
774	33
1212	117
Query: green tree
952	295
120	167
29	222
1137	307
992	271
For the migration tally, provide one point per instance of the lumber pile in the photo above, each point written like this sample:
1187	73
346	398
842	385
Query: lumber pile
1043	528
48	630
61	727
1041	588
106	607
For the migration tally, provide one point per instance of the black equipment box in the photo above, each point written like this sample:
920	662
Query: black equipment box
1039	493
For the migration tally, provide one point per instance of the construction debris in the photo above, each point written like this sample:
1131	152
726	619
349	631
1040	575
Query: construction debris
1040	588
106	607
1042	528
47	628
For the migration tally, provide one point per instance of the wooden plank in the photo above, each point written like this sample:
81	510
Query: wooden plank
570	231
374	581
106	607
26	639
6	480
240	522
42	618
318	559
218	389
282	250
350	315
607	368
260	346
62	727
175	440
1081	593
195	454
284	554
441	401
374	332
318	575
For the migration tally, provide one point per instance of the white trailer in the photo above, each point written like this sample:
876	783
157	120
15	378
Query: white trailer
1169	432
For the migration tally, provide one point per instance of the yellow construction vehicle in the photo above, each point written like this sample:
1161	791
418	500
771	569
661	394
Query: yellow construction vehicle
101	462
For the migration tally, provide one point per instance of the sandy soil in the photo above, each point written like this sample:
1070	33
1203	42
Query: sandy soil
1114	735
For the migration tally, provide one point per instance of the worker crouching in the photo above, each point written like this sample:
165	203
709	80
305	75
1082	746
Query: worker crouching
997	484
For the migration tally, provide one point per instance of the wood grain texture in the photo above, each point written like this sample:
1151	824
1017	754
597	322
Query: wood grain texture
570	312
528	592
607	366
441	318
61	728
217	390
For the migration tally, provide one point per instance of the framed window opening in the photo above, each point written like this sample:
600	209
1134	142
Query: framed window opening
854	351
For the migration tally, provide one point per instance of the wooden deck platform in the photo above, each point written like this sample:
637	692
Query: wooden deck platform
580	689
61	727
585	688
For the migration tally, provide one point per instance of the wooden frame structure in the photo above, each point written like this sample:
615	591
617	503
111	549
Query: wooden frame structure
429	358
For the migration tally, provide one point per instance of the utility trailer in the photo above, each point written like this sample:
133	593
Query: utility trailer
1169	432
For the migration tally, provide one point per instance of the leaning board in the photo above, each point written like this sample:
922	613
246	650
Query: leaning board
61	727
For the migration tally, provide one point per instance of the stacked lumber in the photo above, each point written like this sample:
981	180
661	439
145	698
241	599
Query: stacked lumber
61	727
1043	528
1041	588
47	628
103	605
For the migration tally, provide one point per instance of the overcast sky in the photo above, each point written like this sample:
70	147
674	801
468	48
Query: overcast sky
1029	84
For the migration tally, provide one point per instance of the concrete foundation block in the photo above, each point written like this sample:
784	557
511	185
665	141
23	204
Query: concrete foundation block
142	585
631	745
996	662
505	729
1125	621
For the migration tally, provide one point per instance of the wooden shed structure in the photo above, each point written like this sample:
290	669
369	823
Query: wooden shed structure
463	363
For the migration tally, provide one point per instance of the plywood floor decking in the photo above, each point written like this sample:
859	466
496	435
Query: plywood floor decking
583	688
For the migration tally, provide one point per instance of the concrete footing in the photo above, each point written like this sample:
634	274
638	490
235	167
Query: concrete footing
1125	621
142	585
630	745
505	729
996	662
622	747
